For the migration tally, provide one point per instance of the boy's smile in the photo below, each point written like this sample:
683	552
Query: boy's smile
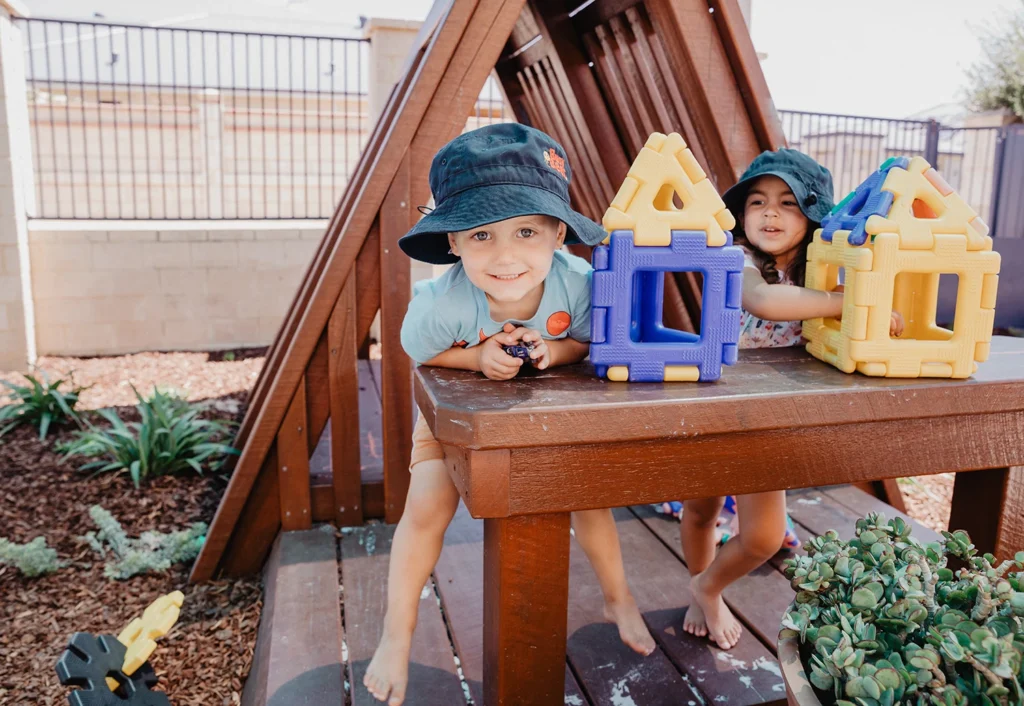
509	261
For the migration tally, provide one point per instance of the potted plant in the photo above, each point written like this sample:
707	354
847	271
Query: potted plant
882	619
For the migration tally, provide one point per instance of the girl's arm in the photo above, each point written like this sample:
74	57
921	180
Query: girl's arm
784	302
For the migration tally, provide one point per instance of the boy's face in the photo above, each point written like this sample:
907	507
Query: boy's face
772	219
510	258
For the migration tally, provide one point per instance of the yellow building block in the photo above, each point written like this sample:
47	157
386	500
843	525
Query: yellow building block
141	634
644	203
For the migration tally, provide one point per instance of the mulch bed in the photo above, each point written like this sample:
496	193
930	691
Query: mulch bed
206	657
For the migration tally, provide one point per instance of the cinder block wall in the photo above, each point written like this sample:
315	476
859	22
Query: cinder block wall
120	287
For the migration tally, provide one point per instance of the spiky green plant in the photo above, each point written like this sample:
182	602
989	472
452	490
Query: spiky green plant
170	438
41	403
882	620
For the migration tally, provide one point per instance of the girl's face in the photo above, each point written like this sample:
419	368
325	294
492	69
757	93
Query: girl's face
510	258
772	219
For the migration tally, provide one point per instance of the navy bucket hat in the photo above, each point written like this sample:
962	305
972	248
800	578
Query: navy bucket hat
810	182
491	174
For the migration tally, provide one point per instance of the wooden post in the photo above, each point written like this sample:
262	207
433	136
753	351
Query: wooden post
343	382
293	465
987	504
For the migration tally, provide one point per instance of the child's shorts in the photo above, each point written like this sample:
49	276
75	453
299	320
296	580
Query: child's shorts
424	446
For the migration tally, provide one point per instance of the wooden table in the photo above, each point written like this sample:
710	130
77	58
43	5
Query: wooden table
527	452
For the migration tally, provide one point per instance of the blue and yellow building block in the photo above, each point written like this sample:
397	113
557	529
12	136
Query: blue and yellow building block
893	237
648	237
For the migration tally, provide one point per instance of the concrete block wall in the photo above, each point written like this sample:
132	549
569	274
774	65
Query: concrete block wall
112	287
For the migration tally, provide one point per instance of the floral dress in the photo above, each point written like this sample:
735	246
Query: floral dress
758	333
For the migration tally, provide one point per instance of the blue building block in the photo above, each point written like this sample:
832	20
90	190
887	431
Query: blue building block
868	199
628	292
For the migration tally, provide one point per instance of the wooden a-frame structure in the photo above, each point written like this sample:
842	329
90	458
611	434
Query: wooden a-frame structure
599	76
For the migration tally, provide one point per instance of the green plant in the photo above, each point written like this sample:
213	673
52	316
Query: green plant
169	438
31	559
40	403
882	620
153	551
997	81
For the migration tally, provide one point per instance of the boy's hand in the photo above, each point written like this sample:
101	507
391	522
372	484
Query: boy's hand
896	324
495	363
541	353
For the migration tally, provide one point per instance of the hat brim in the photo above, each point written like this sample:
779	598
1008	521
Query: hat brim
472	208
736	195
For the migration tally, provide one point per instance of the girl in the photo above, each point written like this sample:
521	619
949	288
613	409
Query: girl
502	216
779	202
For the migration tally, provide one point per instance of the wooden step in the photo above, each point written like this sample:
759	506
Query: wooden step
433	680
298	658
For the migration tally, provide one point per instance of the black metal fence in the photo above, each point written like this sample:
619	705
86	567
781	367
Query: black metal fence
852	146
161	123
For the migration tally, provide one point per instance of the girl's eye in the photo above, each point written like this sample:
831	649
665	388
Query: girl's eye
526	232
481	236
756	202
789	203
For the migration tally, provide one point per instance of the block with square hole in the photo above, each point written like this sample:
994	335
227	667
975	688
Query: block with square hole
902	236
629	341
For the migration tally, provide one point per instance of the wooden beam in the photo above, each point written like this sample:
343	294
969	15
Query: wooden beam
396	368
259	524
293	466
318	404
344	406
978	497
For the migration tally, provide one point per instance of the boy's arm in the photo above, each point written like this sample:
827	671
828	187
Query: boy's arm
567	351
458	358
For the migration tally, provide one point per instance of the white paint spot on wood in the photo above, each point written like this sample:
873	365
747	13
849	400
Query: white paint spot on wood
462	423
425	593
573	700
732	661
767	665
809	501
371	543
620	693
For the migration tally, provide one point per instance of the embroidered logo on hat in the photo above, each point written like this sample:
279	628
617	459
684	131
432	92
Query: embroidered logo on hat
555	162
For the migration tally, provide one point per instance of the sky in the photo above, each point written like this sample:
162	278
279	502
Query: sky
886	58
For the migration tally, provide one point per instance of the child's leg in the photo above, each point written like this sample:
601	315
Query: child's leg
596	533
697	536
762	520
429	508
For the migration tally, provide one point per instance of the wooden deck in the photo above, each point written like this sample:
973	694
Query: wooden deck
305	649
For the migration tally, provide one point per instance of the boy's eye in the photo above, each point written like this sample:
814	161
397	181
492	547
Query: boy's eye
481	236
526	232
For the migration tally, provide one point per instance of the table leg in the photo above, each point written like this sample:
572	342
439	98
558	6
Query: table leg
526	595
989	504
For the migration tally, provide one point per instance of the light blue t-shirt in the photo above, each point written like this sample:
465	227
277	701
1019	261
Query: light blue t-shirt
450	311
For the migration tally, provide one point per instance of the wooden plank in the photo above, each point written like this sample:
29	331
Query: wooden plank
371	425
768	389
577	477
343	367
613	87
701	66
759	599
618	56
746	67
255	691
368	283
293	466
820	513
863	503
259	524
318	403
368	193
433	681
988	505
396	367
526	583
305	661
321	500
459	576
746	674
373	500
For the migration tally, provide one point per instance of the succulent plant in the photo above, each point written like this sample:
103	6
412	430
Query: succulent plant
882	619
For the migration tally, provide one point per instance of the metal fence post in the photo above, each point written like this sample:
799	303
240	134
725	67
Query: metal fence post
931	143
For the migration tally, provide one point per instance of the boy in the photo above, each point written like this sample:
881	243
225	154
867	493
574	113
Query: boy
502	216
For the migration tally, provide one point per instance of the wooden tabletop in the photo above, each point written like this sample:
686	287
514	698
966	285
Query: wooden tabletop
767	389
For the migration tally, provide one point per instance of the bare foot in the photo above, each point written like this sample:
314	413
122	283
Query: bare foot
388	673
693	621
722	625
632	628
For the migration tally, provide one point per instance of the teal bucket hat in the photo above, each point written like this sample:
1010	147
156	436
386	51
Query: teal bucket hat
810	182
491	174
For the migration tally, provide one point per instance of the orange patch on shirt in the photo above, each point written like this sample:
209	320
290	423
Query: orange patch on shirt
460	344
558	322
483	336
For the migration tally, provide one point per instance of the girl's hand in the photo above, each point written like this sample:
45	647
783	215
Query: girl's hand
541	353
896	324
495	363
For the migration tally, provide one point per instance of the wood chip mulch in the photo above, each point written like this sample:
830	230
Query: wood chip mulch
206	658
